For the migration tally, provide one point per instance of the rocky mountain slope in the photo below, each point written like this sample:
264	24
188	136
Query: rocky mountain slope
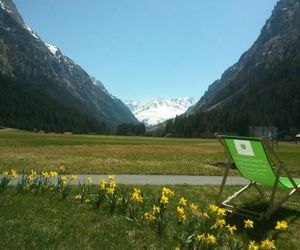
154	111
277	43
261	89
25	57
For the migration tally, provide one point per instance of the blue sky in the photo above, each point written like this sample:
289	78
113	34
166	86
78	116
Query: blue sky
145	49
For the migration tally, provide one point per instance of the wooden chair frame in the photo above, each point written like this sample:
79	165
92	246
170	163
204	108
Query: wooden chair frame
273	205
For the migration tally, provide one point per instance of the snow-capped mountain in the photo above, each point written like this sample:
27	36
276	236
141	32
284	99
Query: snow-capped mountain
154	111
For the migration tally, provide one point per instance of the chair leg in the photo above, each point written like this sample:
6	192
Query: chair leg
279	203
222	185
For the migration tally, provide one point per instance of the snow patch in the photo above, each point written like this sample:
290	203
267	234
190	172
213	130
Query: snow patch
5	7
53	49
154	111
31	31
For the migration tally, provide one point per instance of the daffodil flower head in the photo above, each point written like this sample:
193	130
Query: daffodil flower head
64	180
181	213
248	223
53	173
89	180
193	207
149	217
14	173
282	225
164	200
45	175
253	246
267	245
182	202
155	209
5	173
167	192
110	190
77	197
112	177
211	239
136	195
213	208
219	223
74	177
102	184
231	229
200	237
221	212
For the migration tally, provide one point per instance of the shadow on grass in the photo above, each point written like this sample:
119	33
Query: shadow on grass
262	228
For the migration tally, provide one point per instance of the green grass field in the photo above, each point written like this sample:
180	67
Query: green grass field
116	154
46	222
31	221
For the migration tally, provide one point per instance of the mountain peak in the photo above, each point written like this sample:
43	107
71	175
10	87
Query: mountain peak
157	110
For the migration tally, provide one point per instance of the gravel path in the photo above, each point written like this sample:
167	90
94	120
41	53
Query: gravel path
159	179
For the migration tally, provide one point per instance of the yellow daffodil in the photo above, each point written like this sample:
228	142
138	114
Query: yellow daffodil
267	244
74	177
155	209
248	223
77	197
32	172
45	175
164	200
211	239
110	190
213	208
120	201
253	246
149	217
282	225
219	224
193	207
89	180
14	173
64	180
205	214
181	213
231	229
112	177
30	177
200	237
102	184
53	173
182	202
112	184
5	173
221	212
62	168
167	192
136	195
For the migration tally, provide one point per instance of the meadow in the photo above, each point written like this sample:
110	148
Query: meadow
96	154
36	215
47	222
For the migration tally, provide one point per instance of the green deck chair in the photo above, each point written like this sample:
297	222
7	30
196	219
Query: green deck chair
257	162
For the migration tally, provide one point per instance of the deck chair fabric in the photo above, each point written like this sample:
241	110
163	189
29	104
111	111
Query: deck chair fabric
257	162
